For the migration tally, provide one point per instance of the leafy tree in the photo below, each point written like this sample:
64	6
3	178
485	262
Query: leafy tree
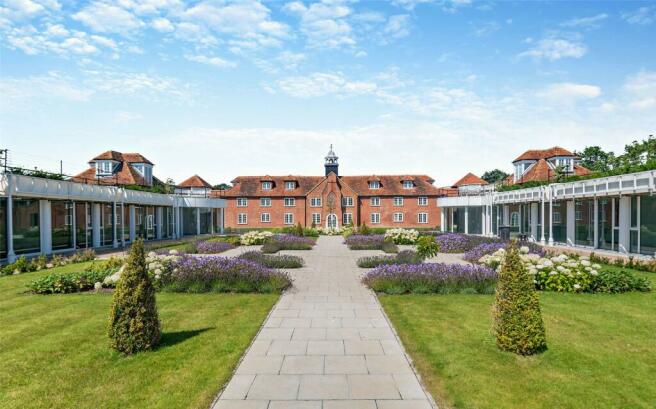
427	247
221	186
518	324
133	320
638	155
596	159
494	176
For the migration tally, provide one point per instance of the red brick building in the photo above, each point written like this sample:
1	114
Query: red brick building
332	200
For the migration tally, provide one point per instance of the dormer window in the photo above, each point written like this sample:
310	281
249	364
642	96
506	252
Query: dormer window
374	184
408	184
290	185
267	185
104	167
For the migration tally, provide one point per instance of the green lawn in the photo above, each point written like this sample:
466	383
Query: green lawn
602	351
54	349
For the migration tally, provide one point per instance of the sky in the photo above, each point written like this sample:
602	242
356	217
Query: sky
222	88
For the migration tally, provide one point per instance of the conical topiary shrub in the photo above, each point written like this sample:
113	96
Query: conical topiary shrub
133	320
518	322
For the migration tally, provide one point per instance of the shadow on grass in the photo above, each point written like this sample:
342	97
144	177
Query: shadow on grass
172	338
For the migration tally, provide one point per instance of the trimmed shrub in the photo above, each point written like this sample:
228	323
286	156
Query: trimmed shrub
427	247
403	257
133	320
271	261
402	236
437	278
518	324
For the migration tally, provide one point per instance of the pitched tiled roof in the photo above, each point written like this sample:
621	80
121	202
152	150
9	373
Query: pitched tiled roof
470	179
125	175
544	154
249	186
390	185
543	171
195	181
120	157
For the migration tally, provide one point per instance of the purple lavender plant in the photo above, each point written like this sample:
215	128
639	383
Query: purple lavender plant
213	247
222	274
431	278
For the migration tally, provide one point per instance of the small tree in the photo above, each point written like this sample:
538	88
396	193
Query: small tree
364	229
299	230
427	247
518	322
133	320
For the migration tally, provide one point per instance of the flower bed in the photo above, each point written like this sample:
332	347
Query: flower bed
403	257
273	261
91	278
475	254
402	236
461	243
571	274
212	247
436	278
330	231
23	265
370	242
287	242
255	237
221	274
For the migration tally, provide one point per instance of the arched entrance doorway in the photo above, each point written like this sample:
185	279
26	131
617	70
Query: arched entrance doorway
331	221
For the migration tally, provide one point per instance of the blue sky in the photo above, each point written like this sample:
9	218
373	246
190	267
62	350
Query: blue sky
224	88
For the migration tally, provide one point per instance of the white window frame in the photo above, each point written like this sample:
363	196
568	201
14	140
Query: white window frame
242	202
422	201
347	218
315	202
375	201
347	201
423	216
408	184
288	218
290	202
267	185
265	202
374	184
290	185
398	200
374	218
265	217
398	217
242	218
316	218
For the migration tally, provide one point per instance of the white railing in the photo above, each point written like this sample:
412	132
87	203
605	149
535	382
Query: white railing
30	186
630	183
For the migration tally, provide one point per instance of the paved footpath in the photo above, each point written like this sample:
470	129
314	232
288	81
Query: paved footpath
326	345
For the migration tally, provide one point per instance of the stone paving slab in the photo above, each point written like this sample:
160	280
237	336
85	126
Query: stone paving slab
327	344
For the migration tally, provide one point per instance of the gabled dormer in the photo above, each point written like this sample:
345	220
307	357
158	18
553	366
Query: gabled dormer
105	167
408	184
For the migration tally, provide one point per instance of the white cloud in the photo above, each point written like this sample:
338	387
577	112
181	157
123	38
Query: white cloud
398	26
25	93
555	49
641	89
58	40
586	22
568	92
642	16
324	23
108	18
162	25
320	84
126	116
486	29
215	61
